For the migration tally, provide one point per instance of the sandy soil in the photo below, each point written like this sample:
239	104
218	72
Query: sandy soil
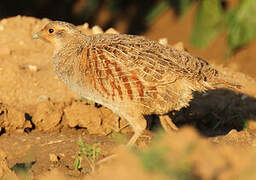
41	119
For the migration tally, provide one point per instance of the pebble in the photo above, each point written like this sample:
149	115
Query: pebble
233	131
32	68
86	26
97	30
53	158
4	21
179	46
42	98
46	20
62	154
252	124
111	31
163	41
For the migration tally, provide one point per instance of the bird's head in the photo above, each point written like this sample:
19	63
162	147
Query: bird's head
57	33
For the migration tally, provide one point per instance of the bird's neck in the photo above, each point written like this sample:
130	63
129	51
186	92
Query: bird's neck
65	56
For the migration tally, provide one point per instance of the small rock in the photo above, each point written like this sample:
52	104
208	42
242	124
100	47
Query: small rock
111	31
163	41
42	98
233	131
97	30
53	158
233	135
4	21
62	154
252	124
179	46
243	97
4	51
32	68
86	26
45	20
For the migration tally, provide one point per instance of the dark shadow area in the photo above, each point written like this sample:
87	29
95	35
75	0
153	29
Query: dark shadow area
214	113
23	168
2	131
28	117
135	15
106	13
42	8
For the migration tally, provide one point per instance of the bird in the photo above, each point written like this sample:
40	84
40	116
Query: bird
131	75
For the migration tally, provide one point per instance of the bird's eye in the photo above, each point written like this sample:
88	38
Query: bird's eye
51	30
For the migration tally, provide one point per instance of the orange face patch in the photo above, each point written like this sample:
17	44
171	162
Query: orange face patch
48	33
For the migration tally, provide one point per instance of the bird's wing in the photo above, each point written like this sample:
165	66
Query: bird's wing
146	72
151	61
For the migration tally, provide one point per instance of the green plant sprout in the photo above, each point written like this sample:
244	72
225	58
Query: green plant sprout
88	152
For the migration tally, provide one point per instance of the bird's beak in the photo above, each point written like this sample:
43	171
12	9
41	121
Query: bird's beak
35	36
41	35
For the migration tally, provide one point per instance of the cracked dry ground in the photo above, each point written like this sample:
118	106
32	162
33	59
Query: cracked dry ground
41	121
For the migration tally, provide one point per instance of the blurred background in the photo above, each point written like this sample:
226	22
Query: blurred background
222	31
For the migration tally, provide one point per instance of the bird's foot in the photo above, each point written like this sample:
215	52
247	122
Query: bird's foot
167	124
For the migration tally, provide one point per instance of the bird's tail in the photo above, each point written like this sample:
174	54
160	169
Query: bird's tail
223	82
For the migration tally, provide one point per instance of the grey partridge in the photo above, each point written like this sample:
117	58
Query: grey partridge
131	75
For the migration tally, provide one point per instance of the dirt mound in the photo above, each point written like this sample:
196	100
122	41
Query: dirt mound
176	156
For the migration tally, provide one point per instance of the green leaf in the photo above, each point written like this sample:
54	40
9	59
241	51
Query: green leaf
156	11
208	22
242	24
90	102
154	160
184	4
77	163
80	142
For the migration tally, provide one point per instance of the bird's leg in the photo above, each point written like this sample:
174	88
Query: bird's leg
167	123
134	138
138	125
